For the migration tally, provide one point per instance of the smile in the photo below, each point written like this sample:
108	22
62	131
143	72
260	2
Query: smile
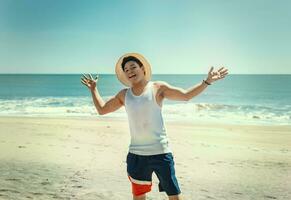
132	76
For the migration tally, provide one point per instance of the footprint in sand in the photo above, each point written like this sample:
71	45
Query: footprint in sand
239	193
284	150
77	186
209	197
46	182
7	190
270	197
203	190
12	179
36	193
21	147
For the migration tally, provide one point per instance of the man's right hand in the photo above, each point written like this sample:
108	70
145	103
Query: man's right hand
89	81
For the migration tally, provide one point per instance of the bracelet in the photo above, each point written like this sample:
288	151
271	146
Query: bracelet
206	82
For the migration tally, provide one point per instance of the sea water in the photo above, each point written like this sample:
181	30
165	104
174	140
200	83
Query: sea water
238	99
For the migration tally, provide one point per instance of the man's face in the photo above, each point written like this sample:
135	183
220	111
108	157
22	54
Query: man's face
134	72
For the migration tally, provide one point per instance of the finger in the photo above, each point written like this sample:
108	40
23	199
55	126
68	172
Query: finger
211	69
221	77
223	74
97	76
87	80
220	69
90	76
84	80
85	76
223	71
84	83
90	81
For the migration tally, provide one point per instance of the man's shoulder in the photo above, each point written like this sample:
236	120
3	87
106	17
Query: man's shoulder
160	86
122	91
121	95
160	83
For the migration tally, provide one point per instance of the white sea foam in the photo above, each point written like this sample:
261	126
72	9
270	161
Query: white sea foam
187	111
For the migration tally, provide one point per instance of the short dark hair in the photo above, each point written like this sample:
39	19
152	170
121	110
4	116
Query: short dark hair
130	58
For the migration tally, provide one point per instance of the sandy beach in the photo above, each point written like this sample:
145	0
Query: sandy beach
84	158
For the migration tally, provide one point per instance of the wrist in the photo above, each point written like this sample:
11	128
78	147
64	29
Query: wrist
205	81
208	80
92	90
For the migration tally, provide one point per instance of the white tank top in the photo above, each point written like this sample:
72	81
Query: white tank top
147	129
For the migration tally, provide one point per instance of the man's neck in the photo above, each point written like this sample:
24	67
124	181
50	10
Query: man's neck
140	85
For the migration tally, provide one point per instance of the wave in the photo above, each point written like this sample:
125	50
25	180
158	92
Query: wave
186	111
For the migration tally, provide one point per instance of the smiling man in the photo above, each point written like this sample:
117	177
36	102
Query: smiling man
149	149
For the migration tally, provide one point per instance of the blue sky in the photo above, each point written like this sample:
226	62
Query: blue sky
185	37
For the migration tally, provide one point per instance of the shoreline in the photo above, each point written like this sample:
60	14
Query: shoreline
167	121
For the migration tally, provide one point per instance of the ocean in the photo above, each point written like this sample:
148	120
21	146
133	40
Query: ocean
237	99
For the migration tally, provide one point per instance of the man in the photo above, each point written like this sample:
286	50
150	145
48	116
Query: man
149	150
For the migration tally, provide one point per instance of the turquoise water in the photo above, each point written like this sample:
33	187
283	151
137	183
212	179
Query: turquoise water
248	99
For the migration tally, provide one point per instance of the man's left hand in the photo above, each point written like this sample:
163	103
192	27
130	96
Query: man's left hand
214	75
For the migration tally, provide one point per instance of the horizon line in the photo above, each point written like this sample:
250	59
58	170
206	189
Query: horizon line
152	74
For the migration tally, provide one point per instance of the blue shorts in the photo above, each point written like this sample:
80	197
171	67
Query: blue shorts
140	169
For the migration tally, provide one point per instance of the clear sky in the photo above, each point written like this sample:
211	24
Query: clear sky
185	37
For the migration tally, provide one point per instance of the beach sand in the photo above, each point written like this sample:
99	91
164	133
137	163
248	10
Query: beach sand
84	158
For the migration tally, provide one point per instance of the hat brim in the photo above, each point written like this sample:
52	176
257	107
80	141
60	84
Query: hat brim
121	74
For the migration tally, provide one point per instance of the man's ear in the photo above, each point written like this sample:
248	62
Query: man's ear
142	68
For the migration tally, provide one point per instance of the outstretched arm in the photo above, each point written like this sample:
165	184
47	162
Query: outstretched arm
102	107
176	93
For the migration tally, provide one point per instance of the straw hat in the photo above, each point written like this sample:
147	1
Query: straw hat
121	74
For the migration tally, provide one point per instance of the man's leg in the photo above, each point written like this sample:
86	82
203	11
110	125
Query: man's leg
175	197
140	188
163	165
140	197
140	175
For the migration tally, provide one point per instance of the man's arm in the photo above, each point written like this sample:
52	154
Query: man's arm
176	93
102	107
111	105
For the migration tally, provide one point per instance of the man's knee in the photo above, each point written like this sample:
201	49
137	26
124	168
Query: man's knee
139	197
